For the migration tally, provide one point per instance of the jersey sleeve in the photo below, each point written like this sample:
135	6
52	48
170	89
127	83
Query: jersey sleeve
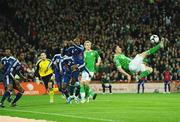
117	63
51	62
79	47
84	54
97	55
2	61
36	73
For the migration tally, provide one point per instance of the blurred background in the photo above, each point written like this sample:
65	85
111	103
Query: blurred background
28	27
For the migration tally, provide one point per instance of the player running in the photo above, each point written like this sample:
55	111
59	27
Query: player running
62	70
128	66
66	64
45	75
92	59
11	67
56	64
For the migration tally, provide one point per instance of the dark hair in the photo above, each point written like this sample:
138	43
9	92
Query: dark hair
114	48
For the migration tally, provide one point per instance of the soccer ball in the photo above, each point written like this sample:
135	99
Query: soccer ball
154	39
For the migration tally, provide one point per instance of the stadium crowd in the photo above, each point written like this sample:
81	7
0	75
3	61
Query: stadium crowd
31	26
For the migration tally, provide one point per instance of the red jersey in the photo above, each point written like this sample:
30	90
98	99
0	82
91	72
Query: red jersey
167	75
143	79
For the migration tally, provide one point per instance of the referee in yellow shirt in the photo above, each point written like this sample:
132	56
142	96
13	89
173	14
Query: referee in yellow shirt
45	74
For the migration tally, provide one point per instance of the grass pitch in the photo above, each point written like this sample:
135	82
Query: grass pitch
106	108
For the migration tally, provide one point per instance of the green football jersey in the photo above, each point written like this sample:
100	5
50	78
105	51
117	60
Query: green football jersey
90	58
122	61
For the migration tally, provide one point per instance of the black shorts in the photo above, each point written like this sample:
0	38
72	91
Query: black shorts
46	80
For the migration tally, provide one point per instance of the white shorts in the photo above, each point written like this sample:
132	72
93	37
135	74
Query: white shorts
137	65
86	77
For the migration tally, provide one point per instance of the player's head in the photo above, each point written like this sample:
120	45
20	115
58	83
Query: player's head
77	41
65	43
117	49
21	56
7	52
87	45
167	68
43	56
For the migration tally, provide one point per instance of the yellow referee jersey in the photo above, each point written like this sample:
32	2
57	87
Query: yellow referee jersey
42	67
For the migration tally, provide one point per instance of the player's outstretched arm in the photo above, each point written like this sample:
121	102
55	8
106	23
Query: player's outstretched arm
125	73
98	61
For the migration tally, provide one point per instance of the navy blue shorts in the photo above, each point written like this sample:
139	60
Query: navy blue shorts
58	77
8	80
66	78
141	82
166	82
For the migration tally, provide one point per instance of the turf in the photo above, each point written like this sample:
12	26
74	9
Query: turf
107	108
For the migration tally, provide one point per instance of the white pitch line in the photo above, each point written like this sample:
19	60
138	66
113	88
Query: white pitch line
63	115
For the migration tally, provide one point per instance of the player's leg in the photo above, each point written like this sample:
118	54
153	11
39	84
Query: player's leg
152	50
48	86
7	93
77	92
51	91
45	83
75	87
9	99
74	78
65	89
65	83
68	92
60	82
92	94
142	84
89	93
82	92
75	82
137	65
110	89
84	79
71	92
165	86
138	89
169	87
20	90
103	86
145	71
58	79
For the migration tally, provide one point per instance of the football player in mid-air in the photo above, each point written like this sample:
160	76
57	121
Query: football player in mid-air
128	66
